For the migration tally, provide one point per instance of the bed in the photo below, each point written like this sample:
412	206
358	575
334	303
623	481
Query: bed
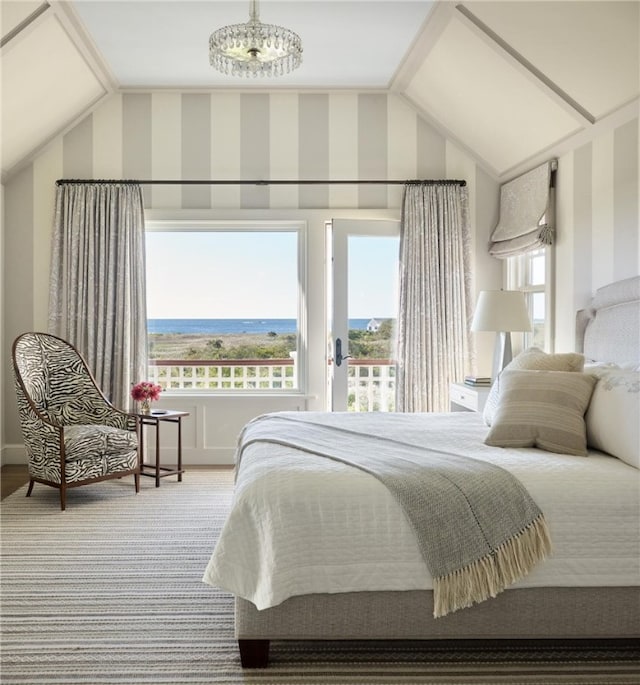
317	549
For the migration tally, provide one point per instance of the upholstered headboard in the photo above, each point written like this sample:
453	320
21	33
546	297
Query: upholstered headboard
609	329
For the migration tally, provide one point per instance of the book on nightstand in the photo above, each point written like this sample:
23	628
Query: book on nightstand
477	381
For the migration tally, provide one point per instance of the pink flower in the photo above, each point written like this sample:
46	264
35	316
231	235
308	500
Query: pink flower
145	390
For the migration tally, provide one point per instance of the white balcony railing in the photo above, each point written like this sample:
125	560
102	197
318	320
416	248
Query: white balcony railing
371	384
235	374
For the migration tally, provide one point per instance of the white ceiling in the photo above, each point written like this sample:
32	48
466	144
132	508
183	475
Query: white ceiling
164	44
510	81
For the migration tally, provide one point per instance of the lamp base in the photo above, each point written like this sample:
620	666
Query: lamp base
502	353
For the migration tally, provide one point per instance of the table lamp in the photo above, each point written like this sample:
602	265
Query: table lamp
501	311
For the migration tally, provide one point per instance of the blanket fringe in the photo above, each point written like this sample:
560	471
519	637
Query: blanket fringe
491	574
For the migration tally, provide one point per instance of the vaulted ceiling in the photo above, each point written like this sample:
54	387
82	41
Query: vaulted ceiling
510	82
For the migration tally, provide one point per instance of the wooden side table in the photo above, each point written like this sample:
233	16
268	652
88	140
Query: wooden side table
155	418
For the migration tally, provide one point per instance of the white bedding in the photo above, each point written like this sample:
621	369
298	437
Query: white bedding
303	524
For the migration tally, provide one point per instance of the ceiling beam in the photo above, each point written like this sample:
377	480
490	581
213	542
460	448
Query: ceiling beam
76	31
524	66
27	21
427	37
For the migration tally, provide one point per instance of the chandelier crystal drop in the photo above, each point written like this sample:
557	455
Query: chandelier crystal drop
255	49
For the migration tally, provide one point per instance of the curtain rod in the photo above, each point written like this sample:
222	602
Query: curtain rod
262	182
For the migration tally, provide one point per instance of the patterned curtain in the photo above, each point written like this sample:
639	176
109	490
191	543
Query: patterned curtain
97	299
435	296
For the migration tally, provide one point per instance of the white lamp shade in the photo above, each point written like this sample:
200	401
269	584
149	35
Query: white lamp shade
501	310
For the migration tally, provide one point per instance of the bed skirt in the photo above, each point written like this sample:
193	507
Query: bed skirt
532	613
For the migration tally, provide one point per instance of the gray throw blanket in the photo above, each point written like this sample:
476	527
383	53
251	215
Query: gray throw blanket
477	527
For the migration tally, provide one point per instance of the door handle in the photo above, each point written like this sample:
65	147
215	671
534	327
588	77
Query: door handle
338	355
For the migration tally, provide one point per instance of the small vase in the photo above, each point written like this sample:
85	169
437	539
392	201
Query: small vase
145	406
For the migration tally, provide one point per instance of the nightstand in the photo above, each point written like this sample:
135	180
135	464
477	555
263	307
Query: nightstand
467	398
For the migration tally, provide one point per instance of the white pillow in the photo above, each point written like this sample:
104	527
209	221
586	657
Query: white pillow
613	417
542	409
533	359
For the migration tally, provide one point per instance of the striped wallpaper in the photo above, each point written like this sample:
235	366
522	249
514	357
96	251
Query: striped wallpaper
255	136
337	134
285	134
598	221
281	135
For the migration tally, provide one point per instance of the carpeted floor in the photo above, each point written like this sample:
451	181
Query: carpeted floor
110	591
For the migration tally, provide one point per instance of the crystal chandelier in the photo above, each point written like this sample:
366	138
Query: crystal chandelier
255	48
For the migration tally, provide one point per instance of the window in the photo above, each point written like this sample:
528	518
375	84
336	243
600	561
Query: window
224	306
530	272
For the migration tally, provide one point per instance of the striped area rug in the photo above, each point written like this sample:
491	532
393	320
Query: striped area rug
110	591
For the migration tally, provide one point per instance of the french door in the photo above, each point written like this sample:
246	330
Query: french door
362	312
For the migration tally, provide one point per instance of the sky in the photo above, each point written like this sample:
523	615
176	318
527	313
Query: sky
253	274
373	268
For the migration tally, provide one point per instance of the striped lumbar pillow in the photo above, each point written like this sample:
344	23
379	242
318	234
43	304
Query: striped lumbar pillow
536	359
542	409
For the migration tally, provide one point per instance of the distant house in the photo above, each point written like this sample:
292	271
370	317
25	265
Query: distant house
373	325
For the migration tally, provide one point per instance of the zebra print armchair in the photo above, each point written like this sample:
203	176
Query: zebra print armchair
73	435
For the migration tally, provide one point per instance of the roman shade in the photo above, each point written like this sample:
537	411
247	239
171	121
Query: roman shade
527	219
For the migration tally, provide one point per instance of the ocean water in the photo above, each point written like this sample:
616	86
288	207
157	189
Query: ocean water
222	326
